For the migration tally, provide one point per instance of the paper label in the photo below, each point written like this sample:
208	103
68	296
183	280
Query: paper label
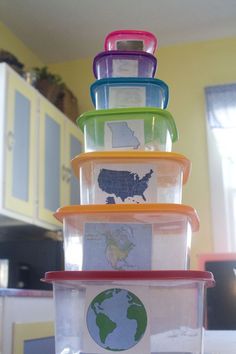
130	44
117	319
124	68
127	96
124	134
125	183
117	246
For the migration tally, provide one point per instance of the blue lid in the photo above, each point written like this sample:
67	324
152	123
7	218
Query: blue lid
132	81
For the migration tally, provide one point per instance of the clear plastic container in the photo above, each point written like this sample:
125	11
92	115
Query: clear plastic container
130	177
124	64
128	311
135	129
127	237
131	40
127	92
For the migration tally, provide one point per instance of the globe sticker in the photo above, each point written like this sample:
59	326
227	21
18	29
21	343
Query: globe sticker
116	320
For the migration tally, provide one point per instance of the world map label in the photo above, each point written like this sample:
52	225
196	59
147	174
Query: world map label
124	135
116	319
117	246
125	183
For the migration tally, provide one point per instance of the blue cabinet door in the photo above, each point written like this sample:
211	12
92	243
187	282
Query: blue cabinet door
51	152
20	146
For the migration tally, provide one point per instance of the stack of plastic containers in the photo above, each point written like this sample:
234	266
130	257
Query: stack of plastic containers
127	286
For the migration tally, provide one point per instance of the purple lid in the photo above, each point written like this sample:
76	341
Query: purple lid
110	54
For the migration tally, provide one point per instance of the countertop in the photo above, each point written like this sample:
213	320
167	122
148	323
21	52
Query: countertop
25	293
220	342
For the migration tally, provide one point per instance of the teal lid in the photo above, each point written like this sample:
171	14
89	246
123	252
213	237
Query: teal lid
129	113
130	81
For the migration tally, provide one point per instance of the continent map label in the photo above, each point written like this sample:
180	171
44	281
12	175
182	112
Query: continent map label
117	246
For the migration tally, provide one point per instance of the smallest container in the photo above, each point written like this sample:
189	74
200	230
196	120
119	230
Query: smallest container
129	92
135	129
129	311
131	40
124	64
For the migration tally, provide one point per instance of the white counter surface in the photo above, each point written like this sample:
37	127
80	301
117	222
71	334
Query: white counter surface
220	342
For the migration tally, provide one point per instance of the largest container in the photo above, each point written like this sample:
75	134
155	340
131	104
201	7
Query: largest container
131	177
130	312
115	237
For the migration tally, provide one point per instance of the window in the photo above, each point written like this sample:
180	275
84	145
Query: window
221	134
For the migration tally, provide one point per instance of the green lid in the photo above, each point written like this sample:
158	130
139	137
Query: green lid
129	113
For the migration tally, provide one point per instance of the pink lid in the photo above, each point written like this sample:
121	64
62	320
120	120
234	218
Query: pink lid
144	275
131	40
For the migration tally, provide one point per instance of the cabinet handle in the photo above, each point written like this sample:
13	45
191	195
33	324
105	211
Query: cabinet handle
10	140
64	172
69	175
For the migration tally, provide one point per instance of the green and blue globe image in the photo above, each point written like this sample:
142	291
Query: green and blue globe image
116	319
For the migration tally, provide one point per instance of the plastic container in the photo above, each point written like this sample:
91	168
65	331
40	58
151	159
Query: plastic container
131	177
129	92
131	40
124	64
147	128
127	237
131	312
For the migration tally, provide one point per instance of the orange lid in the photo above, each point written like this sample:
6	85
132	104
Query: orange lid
171	156
156	208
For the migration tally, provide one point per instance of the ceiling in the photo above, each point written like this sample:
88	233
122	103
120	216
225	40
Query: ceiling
62	30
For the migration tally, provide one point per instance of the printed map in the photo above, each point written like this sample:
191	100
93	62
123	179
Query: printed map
117	246
123	135
123	184
116	319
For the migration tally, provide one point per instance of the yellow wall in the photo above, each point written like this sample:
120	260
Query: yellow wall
10	43
187	69
78	75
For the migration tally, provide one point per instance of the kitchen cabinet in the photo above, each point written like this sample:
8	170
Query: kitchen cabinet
18	114
37	142
73	139
59	142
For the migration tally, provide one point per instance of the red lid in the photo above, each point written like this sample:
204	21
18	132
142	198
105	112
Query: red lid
143	275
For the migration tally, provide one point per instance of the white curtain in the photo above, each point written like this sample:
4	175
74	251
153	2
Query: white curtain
221	106
221	127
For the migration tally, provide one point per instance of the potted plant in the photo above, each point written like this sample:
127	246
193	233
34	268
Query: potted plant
50	85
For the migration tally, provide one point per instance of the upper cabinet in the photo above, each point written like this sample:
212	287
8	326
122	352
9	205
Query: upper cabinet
18	117
59	141
73	147
37	143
